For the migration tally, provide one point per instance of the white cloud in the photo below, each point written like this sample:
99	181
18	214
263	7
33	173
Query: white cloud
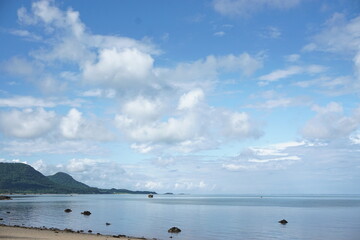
119	68
271	32
273	99
28	123
189	185
340	36
26	102
191	99
185	128
26	34
18	66
330	123
246	8
291	71
275	156
49	146
74	126
239	125
106	93
237	167
292	58
219	34
51	85
204	72
142	110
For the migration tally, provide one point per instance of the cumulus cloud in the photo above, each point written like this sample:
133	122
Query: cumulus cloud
191	99
28	123
245	8
191	126
74	126
101	59
330	123
119	68
158	106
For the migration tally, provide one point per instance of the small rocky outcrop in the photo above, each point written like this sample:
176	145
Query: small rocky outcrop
68	210
150	196
119	236
283	222
107	224
174	230
86	213
90	231
5	197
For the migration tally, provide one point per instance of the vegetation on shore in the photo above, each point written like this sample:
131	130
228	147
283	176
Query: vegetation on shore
22	178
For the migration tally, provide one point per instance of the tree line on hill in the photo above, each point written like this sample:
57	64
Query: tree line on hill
22	178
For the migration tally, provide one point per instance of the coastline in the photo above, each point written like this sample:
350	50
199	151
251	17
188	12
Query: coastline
19	232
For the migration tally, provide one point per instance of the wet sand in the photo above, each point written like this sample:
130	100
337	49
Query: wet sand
23	233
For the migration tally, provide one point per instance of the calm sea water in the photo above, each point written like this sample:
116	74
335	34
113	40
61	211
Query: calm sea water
210	217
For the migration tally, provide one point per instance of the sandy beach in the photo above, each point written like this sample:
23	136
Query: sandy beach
13	233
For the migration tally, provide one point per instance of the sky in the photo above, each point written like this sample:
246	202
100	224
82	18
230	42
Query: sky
211	96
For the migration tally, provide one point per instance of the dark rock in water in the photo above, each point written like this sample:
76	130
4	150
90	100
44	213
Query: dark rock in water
5	197
90	231
150	196
174	230
7	212
107	224
119	236
87	213
283	222
67	210
1	219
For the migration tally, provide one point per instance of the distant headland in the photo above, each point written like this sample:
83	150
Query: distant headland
20	178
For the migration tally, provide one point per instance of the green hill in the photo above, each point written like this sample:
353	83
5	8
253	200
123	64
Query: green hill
22	178
68	182
19	177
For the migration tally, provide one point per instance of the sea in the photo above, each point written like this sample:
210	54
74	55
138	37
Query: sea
200	217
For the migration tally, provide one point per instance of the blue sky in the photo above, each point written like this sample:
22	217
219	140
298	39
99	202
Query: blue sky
222	96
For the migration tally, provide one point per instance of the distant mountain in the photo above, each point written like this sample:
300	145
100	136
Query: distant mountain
19	177
68	182
22	178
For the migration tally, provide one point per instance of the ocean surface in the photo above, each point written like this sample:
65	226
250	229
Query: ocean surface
208	217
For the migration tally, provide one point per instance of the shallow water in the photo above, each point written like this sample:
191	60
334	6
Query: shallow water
209	217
